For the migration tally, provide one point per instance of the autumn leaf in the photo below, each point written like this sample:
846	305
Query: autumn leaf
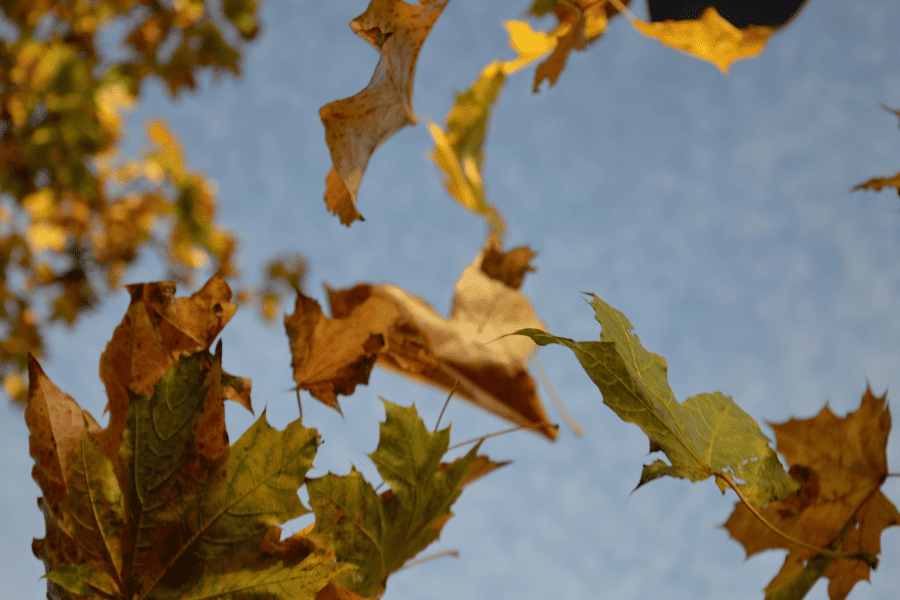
380	533
403	333
706	436
877	183
841	464
56	424
356	126
156	329
458	149
187	515
581	22
711	37
331	356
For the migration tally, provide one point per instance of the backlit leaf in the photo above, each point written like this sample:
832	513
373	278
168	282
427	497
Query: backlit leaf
707	435
841	463
356	126
711	37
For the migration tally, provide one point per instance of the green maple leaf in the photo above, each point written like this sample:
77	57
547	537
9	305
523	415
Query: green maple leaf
379	534
708	435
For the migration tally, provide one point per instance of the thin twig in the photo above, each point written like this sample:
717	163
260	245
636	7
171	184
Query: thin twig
484	437
446	402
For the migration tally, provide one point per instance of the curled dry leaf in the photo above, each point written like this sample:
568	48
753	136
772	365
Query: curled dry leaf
331	356
355	126
403	333
842	463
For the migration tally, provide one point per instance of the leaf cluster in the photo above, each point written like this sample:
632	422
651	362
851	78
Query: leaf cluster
159	505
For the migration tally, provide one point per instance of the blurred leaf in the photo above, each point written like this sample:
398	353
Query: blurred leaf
356	126
710	37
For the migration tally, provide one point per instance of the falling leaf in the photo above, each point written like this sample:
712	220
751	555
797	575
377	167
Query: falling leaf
458	150
530	45
581	22
711	37
404	334
356	126
707	435
842	463
332	356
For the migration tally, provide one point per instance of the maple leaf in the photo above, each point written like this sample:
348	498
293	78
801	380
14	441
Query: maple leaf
842	463
332	356
380	533
458	150
707	435
156	329
356	126
876	183
186	515
387	326
711	37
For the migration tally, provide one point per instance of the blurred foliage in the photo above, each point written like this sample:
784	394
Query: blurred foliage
73	216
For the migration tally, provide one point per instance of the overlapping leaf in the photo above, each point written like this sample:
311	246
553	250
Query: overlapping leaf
401	332
156	329
173	511
581	22
708	435
379	534
841	463
355	126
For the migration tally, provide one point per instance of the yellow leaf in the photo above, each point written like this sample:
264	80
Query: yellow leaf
710	37
40	204
111	101
458	150
531	45
168	146
43	236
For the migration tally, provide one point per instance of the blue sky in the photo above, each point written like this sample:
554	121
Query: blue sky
713	211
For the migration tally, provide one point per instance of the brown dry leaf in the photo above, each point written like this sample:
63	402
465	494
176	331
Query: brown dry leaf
154	332
355	126
331	356
55	422
841	463
406	335
509	267
711	37
876	183
581	22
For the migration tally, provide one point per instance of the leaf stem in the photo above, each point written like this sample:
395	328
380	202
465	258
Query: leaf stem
484	437
866	557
